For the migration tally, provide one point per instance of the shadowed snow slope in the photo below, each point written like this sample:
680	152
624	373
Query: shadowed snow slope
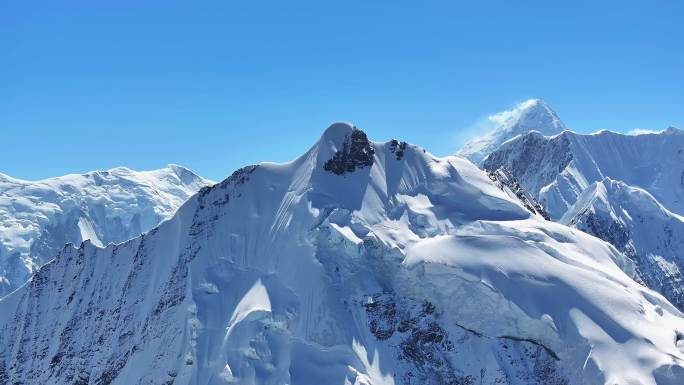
632	220
38	218
357	263
625	189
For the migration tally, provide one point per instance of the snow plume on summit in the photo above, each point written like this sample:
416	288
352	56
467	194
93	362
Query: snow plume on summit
359	262
530	115
518	114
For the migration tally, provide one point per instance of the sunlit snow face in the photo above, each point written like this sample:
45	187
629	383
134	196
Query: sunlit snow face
508	116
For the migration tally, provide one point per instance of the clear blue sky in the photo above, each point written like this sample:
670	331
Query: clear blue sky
214	85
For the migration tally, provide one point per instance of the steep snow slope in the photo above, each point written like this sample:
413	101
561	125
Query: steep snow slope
533	114
357	263
508	183
633	221
38	218
558	169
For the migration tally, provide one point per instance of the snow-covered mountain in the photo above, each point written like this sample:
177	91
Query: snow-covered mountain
559	168
508	183
38	218
633	221
357	263
532	114
625	189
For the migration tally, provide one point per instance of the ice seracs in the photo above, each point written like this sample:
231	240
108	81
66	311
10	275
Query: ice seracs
408	269
37	218
533	114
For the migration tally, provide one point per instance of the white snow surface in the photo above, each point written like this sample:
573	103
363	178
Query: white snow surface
38	217
558	169
632	220
413	270
627	189
533	114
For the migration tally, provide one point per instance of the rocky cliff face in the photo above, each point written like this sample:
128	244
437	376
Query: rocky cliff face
508	183
411	269
535	160
356	152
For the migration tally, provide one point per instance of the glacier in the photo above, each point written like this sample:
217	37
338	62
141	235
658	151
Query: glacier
37	218
359	262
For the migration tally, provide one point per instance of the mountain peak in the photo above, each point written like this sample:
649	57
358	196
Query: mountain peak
186	175
533	114
104	206
344	148
530	115
672	130
337	132
292	274
114	170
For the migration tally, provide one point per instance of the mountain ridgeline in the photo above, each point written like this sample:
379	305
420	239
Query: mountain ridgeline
38	218
359	262
625	189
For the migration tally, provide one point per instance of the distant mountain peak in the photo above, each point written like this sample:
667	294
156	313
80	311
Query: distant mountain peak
102	205
672	130
530	115
533	114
